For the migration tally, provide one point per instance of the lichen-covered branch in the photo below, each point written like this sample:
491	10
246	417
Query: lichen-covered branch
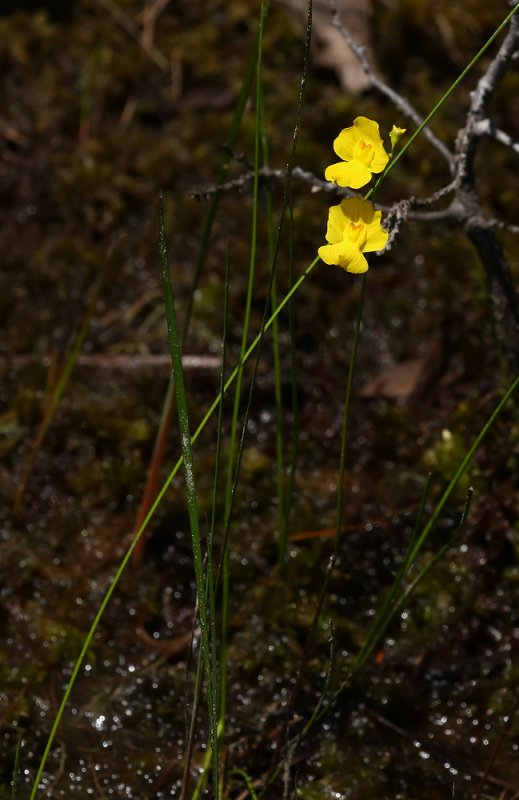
478	227
398	101
465	207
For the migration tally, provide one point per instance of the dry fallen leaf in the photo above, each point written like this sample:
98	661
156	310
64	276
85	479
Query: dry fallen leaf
328	46
396	382
408	380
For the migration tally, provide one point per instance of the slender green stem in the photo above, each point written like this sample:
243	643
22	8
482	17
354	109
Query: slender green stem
191	728
293	374
462	468
248	783
211	580
342	467
192	503
394	161
57	394
390	609
434	560
276	355
285	492
239	376
406	563
220	178
340	497
219	439
420	539
346	413
167	406
122	566
16	769
280	458
321	703
380	622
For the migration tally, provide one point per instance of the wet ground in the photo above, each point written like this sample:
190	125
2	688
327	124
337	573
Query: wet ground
95	123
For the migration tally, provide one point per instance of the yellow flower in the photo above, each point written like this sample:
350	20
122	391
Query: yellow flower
362	151
395	135
353	229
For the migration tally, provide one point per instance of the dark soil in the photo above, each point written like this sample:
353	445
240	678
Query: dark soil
95	124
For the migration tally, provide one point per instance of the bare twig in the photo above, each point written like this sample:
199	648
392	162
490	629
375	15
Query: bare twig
267	173
128	25
398	101
486	127
468	138
120	362
499	225
149	18
479	228
465	208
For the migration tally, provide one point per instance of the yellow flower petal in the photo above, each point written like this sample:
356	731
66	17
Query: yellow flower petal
330	253
376	236
354	174
357	233
345	142
363	152
379	160
362	147
336	225
368	129
356	208
344	255
395	135
354	227
356	265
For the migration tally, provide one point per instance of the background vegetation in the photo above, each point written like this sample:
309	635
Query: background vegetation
94	125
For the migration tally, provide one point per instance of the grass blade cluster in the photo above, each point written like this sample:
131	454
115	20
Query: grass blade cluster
213	664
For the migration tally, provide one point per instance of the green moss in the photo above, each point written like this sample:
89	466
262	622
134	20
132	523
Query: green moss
97	130
444	457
